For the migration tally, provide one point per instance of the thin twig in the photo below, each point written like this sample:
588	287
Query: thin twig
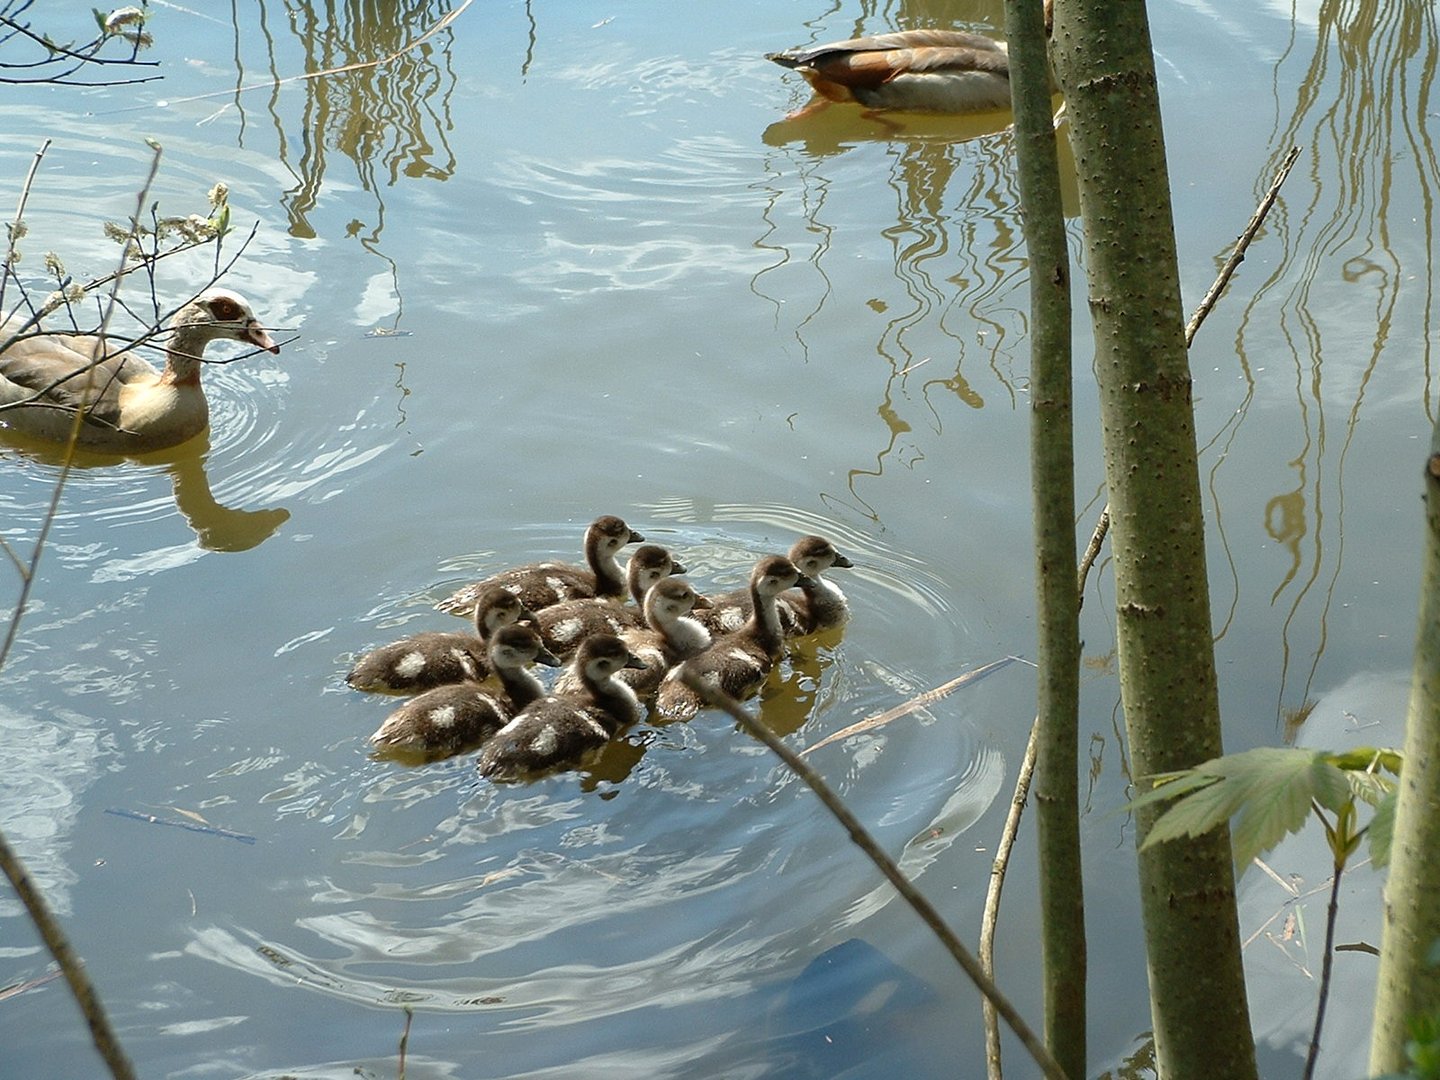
887	866
405	1039
1325	965
19	218
88	57
359	65
1207	302
100	1030
1242	244
1092	550
71	445
74	969
991	916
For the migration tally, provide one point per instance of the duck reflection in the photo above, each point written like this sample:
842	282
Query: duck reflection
217	527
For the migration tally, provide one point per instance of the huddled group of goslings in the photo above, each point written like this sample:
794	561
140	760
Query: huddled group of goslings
479	689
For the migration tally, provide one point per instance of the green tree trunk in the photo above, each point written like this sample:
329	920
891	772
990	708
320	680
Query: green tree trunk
1105	68
1409	980
1052	468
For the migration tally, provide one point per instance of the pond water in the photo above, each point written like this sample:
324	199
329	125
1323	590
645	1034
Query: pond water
569	259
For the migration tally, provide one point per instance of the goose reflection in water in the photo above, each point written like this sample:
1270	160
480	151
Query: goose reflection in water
217	527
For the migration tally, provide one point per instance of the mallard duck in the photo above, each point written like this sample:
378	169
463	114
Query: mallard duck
539	585
736	663
946	71
563	626
449	719
435	658
560	730
668	637
129	407
818	605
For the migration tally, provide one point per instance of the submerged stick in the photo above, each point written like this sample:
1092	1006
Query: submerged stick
919	701
887	867
193	826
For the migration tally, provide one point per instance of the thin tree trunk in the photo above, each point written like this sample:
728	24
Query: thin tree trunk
1105	67
1409	980
1052	468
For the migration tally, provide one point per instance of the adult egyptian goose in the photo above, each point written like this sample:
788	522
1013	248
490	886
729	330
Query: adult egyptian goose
437	657
449	719
818	605
669	636
127	406
564	625
561	730
736	663
945	71
542	584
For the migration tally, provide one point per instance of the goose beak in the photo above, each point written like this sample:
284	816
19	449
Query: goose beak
842	562
702	601
548	659
258	336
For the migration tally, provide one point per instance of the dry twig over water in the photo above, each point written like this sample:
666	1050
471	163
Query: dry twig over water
888	868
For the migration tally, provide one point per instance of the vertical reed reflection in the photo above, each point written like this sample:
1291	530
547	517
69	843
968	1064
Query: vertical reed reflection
954	253
1353	287
388	115
955	245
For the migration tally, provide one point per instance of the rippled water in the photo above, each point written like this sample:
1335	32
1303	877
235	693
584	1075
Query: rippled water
564	261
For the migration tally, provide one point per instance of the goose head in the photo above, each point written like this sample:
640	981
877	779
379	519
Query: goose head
516	645
602	655
607	534
669	599
813	555
649	564
496	608
773	575
219	314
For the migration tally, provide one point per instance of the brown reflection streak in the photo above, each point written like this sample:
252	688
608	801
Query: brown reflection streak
813	193
1350	114
390	117
954	251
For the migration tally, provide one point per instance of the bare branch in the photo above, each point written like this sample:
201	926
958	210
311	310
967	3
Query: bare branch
887	867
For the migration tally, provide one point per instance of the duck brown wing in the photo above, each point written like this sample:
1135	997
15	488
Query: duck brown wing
900	41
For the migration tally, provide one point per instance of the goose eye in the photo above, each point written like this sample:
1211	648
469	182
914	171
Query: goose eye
224	309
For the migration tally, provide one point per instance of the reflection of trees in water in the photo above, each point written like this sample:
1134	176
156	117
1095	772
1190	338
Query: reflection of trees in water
388	116
951	288
957	252
1363	106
